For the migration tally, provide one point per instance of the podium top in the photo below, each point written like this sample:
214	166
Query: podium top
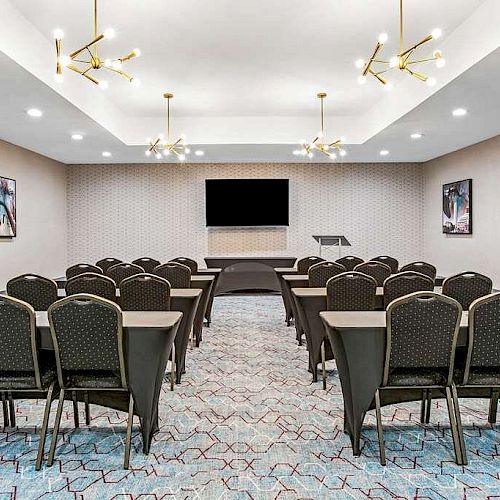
331	240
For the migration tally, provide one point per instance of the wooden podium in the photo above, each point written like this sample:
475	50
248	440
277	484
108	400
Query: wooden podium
331	241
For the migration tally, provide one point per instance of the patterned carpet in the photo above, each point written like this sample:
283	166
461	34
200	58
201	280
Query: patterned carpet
247	423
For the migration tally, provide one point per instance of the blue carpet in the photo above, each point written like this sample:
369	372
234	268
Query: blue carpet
247	423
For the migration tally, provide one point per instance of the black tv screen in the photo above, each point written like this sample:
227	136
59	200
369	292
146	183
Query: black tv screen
246	202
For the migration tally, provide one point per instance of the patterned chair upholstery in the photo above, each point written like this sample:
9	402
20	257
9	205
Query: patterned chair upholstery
36	290
390	261
422	268
105	264
377	270
192	264
349	262
123	270
147	263
92	283
467	287
404	283
178	275
304	264
422	333
88	341
77	269
22	369
320	273
351	291
145	292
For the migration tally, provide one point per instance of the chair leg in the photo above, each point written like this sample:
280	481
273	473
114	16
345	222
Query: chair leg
55	431
453	424
460	429
128	439
75	410
87	408
172	369
423	406
6	420
492	414
428	406
12	410
323	364
45	424
380	430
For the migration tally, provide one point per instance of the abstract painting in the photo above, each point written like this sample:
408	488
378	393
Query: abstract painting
7	208
457	207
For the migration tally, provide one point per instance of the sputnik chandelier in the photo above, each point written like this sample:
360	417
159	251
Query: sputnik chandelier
402	61
319	144
164	145
86	59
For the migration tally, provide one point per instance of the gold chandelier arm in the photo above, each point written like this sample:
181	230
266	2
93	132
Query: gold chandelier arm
417	45
58	57
120	72
378	77
84	73
130	55
380	61
416	74
378	48
93	42
418	61
315	140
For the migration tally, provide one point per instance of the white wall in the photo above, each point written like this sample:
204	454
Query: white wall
158	210
40	245
481	250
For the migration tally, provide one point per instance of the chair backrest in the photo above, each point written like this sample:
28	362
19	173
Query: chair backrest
192	264
19	351
390	261
147	263
178	275
94	284
145	292
87	335
377	270
320	273
105	264
401	284
467	287
351	291
422	268
304	264
484	335
349	262
119	272
77	269
37	291
422	332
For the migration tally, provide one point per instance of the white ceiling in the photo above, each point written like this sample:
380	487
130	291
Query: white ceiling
245	75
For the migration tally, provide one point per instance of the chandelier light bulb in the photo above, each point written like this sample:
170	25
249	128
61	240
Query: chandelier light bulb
362	79
342	152
436	33
109	33
116	64
66	60
394	62
359	63
135	82
333	156
183	137
296	152
187	150
158	156
383	37
440	62
431	82
58	34
388	86
342	138
199	152
58	78
310	155
108	63
103	84
166	152
137	52
416	135
182	157
147	152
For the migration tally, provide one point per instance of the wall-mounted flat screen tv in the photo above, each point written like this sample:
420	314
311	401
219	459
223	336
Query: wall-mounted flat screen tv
246	202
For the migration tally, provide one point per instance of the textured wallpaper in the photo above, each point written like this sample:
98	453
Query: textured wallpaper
158	210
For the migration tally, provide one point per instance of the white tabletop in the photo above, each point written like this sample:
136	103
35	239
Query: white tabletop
189	293
321	292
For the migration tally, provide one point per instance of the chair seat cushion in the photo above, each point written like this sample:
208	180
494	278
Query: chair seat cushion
408	377
484	376
93	380
11	381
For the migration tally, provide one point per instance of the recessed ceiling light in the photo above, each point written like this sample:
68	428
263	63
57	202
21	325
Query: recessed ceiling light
198	152
416	135
34	113
106	154
384	152
459	112
77	137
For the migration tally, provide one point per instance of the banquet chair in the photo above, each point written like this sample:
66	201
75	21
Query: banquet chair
23	370
37	291
105	264
147	263
94	284
320	273
375	269
482	365
422	334
304	264
192	264
119	272
390	261
467	287
92	327
77	269
404	283
422	268
349	262
178	275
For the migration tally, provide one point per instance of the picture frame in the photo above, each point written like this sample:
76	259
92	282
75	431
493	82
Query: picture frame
457	207
8	213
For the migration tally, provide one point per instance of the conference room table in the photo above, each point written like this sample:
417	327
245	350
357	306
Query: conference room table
215	272
358	341
148	340
186	301
285	292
